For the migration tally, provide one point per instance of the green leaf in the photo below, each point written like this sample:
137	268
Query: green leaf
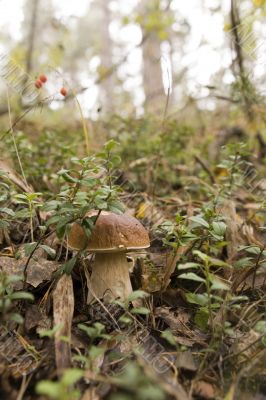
110	145
137	294
3	224
250	249
125	319
50	332
254	250
201	318
202	256
49	388
51	252
191	277
21	296
95	352
168	335
71	376
68	178
21	198
218	263
88	224
116	207
88	329
199	299
7	211
53	220
14	279
69	265
140	310
62	227
116	160
29	248
260	327
188	265
17	318
89	182
199	221
51	205
100	203
218	284
236	299
219	228
244	262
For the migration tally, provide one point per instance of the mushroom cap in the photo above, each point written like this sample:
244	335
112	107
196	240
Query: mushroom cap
111	233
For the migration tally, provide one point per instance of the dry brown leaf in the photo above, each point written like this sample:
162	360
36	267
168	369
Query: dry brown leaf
204	389
186	361
251	282
37	271
247	345
14	357
249	278
14	177
158	365
63	306
35	318
233	222
178	325
147	210
172	259
171	265
90	394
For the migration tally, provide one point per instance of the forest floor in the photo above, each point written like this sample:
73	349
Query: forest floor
194	327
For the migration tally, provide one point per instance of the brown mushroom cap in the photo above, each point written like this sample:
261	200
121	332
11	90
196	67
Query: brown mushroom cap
112	233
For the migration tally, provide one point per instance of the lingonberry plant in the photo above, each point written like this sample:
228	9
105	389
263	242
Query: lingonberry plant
9	296
86	185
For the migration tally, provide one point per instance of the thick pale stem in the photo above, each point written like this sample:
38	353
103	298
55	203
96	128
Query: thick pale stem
110	278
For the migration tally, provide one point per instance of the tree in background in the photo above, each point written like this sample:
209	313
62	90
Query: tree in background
155	23
105	52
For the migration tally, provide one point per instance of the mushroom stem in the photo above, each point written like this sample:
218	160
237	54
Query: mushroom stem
110	278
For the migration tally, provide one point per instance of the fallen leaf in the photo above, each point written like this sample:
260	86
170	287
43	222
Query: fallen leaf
204	389
63	306
90	394
186	361
178	323
36	319
37	271
14	177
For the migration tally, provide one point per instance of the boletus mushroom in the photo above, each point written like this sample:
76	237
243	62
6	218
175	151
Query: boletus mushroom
112	238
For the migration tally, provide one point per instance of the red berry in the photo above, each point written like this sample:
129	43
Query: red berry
63	91
38	84
43	78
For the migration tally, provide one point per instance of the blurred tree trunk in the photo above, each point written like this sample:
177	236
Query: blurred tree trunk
33	5
153	30
152	74
108	80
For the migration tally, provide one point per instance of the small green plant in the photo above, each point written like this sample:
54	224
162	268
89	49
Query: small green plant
126	305
39	164
5	196
203	236
133	384
86	186
62	389
209	300
96	331
8	297
145	141
235	168
31	202
204	230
